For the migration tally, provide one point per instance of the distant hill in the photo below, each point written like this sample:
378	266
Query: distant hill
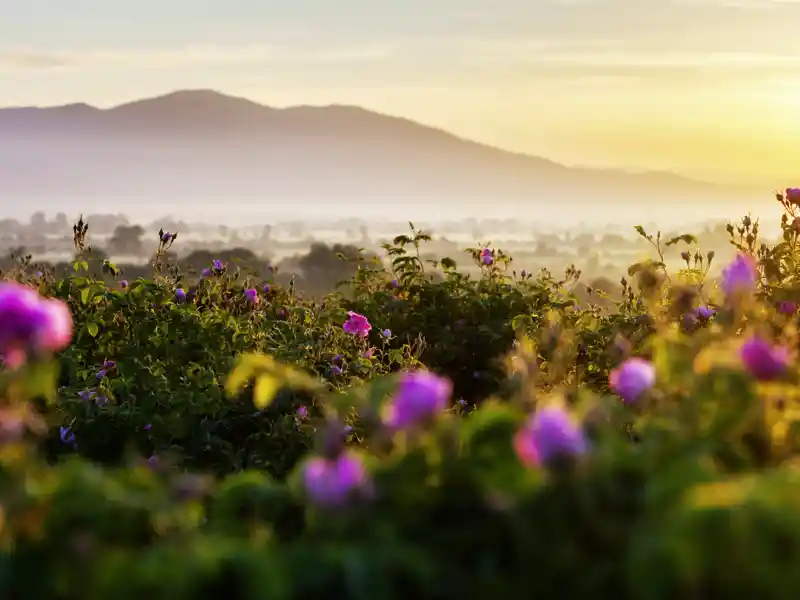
202	145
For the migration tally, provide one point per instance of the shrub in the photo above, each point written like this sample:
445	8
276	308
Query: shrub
284	449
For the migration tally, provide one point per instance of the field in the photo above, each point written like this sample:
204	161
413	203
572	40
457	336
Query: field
432	430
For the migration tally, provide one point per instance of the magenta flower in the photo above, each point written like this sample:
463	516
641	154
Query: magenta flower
763	360
632	379
252	296
740	276
420	396
487	256
549	433
331	483
302	413
30	324
792	195
357	324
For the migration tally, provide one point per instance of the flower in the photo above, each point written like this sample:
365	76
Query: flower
66	435
336	369
218	265
420	396
266	289
703	313
123	284
302	413
394	283
368	353
331	483
763	360
166	237
109	365
100	374
550	432
740	276
487	257
792	195
387	333
205	272
31	324
180	295
632	378
787	308
357	324
252	296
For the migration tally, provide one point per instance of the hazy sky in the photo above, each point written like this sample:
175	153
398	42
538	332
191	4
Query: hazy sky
709	87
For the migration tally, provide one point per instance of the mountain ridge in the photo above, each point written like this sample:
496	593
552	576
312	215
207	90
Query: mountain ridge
206	140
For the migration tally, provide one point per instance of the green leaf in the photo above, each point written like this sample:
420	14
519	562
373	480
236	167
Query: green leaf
85	295
93	329
264	390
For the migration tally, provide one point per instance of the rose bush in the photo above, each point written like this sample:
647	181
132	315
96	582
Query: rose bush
215	446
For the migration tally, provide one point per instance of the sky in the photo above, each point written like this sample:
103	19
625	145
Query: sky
709	88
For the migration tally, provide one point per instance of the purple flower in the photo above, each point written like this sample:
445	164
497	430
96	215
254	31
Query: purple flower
338	358
632	378
153	461
348	429
787	308
357	324
86	395
387	333
218	265
266	289
123	284
109	365
148	427
792	195
166	237
30	324
205	272
100	375
180	295
740	276
368	353
549	433
487	256
704	313
420	396
395	284
66	435
302	413
252	296
763	360
331	483
336	369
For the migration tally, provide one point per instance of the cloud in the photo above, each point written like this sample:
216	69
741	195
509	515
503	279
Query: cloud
189	55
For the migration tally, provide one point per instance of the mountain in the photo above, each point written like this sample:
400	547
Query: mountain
203	146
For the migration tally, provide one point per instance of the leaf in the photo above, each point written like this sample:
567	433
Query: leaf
93	329
686	238
85	295
264	391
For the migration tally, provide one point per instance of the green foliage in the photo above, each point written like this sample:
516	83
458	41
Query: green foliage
193	420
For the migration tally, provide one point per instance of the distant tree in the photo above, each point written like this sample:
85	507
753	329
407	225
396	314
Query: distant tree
127	239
